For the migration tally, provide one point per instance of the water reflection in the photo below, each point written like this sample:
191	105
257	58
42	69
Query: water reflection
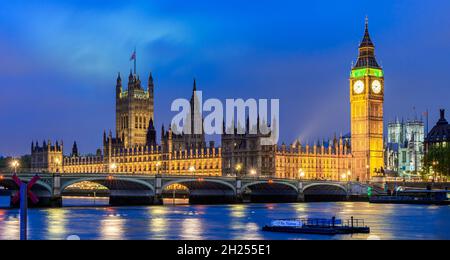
224	221
191	229
112	226
158	222
9	225
238	211
56	220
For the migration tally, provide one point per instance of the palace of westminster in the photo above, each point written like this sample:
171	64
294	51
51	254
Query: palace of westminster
134	148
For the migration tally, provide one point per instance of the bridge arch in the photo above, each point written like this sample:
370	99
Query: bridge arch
335	185
325	192
269	191
205	191
276	183
116	183
186	182
40	186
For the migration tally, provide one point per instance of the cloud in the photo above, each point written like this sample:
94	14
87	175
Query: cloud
90	42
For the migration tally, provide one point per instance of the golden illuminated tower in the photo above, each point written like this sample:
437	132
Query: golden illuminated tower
134	111
366	99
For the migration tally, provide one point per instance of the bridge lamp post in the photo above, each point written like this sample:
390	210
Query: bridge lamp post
158	165
58	164
253	172
192	170
15	164
112	167
349	175
368	172
238	169
301	174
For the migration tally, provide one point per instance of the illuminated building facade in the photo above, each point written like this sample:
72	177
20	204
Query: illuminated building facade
325	161
405	147
134	111
366	101
47	157
134	148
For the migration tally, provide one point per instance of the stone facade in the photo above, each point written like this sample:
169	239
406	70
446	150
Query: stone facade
405	147
134	148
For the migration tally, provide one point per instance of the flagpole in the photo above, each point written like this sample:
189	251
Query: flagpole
135	57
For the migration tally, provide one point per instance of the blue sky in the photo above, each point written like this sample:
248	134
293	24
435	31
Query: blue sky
59	60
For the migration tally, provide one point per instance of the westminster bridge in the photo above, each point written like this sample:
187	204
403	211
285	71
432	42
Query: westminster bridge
144	189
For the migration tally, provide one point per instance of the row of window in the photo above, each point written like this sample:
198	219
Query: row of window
140	122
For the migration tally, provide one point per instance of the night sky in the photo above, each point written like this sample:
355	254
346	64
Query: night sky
59	61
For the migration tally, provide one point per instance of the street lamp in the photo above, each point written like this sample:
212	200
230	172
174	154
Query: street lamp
344	176
301	173
158	164
112	167
434	163
192	170
58	163
238	169
15	164
349	175
368	172
253	172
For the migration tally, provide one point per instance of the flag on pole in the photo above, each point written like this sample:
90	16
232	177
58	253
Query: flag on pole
133	56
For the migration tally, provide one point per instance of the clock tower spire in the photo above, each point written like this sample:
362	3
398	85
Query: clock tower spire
367	101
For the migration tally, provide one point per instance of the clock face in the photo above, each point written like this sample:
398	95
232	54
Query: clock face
358	87
376	87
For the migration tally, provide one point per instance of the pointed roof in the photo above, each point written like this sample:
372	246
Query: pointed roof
151	125
195	85
366	58
366	42
150	78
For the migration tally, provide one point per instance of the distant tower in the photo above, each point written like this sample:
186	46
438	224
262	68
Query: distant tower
134	110
151	134
48	157
367	100
74	150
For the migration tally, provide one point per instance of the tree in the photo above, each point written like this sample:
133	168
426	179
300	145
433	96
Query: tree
24	161
437	160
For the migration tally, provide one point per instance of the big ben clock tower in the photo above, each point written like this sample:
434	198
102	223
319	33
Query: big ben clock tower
366	100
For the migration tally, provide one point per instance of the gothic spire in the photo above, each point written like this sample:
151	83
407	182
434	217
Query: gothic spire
366	42
150	78
366	58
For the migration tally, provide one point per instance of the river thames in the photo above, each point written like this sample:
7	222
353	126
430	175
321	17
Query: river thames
222	222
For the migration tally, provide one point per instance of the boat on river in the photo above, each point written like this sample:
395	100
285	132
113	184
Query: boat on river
318	226
420	197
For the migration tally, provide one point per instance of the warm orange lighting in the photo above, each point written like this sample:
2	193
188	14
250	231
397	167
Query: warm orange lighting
15	164
270	181
301	173
113	167
110	178
2	177
200	180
